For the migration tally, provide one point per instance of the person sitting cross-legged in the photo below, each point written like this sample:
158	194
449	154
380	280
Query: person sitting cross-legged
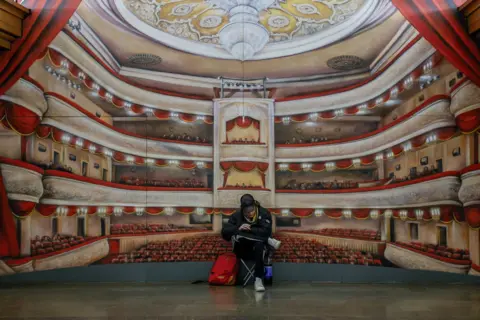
250	228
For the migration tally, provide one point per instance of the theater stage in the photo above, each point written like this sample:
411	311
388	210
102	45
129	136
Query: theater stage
286	300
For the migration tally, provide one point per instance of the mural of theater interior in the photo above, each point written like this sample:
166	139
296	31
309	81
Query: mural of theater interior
136	129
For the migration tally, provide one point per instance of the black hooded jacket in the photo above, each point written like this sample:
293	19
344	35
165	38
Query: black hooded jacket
260	229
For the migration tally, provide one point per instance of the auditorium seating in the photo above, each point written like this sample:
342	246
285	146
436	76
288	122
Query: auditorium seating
207	248
185	137
342	233
436	250
300	250
319	185
151	228
46	244
173	183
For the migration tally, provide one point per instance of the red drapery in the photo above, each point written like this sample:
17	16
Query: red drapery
8	238
243	166
437	22
469	121
46	20
243	122
472	216
18	118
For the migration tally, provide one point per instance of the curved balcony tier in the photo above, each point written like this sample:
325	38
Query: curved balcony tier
469	192
438	189
475	270
432	115
23	181
465	97
121	86
66	115
80	255
62	188
407	61
27	93
408	258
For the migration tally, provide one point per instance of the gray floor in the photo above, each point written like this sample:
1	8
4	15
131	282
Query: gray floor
286	300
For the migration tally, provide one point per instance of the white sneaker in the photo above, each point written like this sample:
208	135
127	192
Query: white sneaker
259	285
274	243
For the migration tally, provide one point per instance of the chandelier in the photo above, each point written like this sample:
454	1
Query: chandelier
243	36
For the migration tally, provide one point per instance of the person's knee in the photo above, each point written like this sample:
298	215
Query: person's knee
259	246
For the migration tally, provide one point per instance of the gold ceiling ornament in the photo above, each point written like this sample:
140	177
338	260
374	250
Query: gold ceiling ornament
202	20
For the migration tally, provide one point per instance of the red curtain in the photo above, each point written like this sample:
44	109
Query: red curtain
22	208
46	20
438	22
8	238
472	216
244	166
18	118
469	121
302	213
243	122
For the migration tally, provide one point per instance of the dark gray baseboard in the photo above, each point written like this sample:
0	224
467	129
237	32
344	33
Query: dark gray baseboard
192	271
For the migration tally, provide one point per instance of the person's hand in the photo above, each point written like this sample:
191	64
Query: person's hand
244	227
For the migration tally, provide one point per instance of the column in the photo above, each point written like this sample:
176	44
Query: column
474	245
381	169
385	229
26	236
217	223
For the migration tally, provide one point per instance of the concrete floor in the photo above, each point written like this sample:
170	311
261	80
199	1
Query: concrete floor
283	301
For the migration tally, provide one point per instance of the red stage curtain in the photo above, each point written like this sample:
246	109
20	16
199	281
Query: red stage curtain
187	117
8	238
361	213
161	114
244	166
187	165
242	122
20	119
302	213
344	164
469	121
446	133
327	114
418	141
46	20
46	210
22	208
154	210
472	216
185	210
333	213
300	117
317	167
367	159
351	110
437	21
118	156
398	149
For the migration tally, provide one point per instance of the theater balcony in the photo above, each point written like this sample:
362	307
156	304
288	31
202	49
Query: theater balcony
437	189
428	117
63	188
418	257
81	253
23	183
66	115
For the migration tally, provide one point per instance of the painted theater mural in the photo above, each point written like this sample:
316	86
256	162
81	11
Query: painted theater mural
113	153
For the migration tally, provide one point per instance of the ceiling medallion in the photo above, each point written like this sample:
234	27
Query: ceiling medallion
346	63
244	35
144	60
249	29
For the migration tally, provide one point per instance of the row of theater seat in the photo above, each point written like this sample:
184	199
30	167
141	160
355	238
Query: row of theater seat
441	251
174	183
46	244
151	228
342	233
297	249
320	185
207	248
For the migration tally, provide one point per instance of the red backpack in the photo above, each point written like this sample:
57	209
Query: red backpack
224	270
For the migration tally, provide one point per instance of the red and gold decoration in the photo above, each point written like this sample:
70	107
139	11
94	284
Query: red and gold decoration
244	174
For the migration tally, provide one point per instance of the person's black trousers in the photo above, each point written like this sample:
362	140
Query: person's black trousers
252	250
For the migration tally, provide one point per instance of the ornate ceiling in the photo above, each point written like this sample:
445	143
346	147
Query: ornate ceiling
212	27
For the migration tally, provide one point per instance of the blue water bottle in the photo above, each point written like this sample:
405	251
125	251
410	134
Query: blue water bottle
268	278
